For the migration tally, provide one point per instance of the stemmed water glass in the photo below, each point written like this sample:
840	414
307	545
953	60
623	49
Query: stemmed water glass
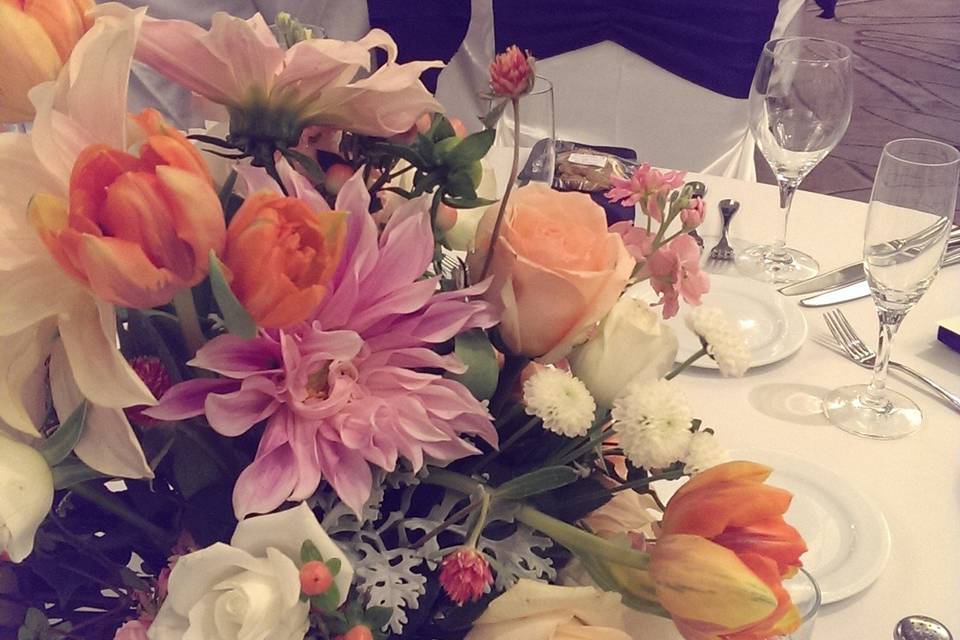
908	223
800	105
537	134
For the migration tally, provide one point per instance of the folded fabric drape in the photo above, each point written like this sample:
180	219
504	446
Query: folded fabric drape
713	43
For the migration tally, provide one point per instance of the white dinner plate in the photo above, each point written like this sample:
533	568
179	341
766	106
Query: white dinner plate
773	326
847	537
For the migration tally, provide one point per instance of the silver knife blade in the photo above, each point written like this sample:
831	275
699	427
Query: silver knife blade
847	275
829	280
850	292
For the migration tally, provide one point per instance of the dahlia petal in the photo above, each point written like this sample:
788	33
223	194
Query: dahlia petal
347	472
231	414
265	484
236	357
186	400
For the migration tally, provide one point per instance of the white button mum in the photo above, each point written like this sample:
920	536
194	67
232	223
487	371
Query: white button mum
652	423
560	400
704	452
723	340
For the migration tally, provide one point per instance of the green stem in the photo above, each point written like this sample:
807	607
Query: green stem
449	522
506	194
106	502
188	319
579	447
643	482
519	433
481	520
686	363
451	480
576	539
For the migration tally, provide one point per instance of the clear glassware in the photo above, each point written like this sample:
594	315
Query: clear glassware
800	105
537	135
805	594
908	223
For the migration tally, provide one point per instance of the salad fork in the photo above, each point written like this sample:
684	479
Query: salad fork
723	251
858	351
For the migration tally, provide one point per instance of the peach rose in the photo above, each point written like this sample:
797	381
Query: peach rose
556	269
281	254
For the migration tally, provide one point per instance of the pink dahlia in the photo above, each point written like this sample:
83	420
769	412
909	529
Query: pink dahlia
465	575
647	186
356	385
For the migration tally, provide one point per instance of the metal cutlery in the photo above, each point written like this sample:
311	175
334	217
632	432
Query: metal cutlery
860	289
858	351
723	251
697	190
849	274
921	628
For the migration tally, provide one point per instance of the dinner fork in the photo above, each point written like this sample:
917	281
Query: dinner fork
858	351
723	251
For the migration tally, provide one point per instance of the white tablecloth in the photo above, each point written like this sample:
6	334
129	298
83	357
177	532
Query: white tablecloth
914	481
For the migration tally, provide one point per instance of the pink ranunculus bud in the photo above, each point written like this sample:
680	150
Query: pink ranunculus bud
465	575
511	73
157	378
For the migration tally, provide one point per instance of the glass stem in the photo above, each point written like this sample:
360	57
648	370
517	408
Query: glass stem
889	324
788	186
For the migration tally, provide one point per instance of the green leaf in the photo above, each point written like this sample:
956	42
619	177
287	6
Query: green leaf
193	469
334	565
474	350
492	117
377	617
470	149
65	438
440	128
236	318
132	580
327	601
539	481
227	189
467	203
35	626
409	154
460	185
72	471
309	552
309	165
425	146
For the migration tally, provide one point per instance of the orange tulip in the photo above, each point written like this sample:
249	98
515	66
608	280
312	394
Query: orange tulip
36	37
136	229
281	254
723	550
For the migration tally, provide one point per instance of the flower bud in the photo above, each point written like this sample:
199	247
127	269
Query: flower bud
511	73
465	575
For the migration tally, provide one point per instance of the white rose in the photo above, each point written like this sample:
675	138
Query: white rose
26	495
249	588
631	344
532	610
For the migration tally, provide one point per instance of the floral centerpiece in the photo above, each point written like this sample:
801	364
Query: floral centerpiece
248	391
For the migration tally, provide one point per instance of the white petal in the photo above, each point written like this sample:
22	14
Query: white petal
89	332
33	292
196	574
22	376
26	495
286	531
108	443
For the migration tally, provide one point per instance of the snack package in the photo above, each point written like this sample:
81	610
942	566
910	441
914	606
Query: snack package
589	169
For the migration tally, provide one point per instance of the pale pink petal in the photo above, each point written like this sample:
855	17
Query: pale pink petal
232	414
347	472
186	400
265	484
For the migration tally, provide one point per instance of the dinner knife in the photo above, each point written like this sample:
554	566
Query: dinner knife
858	289
849	274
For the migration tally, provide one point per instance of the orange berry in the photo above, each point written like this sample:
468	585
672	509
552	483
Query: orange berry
446	217
315	578
358	632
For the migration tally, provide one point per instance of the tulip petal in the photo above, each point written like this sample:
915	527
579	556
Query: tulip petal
64	22
29	58
26	485
699	580
712	510
107	443
736	470
120	272
196	214
286	531
89	333
23	376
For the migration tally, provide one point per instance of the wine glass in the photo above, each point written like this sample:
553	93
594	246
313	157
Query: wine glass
908	223
537	134
800	105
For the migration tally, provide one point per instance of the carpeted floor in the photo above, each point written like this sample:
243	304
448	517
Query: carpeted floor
907	84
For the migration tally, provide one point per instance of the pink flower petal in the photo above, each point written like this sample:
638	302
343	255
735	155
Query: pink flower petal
186	400
232	414
266	483
232	356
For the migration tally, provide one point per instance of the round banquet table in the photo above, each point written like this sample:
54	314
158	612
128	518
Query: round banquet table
914	481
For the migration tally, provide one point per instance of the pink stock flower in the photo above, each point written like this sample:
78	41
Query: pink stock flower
692	216
465	575
639	242
675	271
276	93
511	73
347	389
648	186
